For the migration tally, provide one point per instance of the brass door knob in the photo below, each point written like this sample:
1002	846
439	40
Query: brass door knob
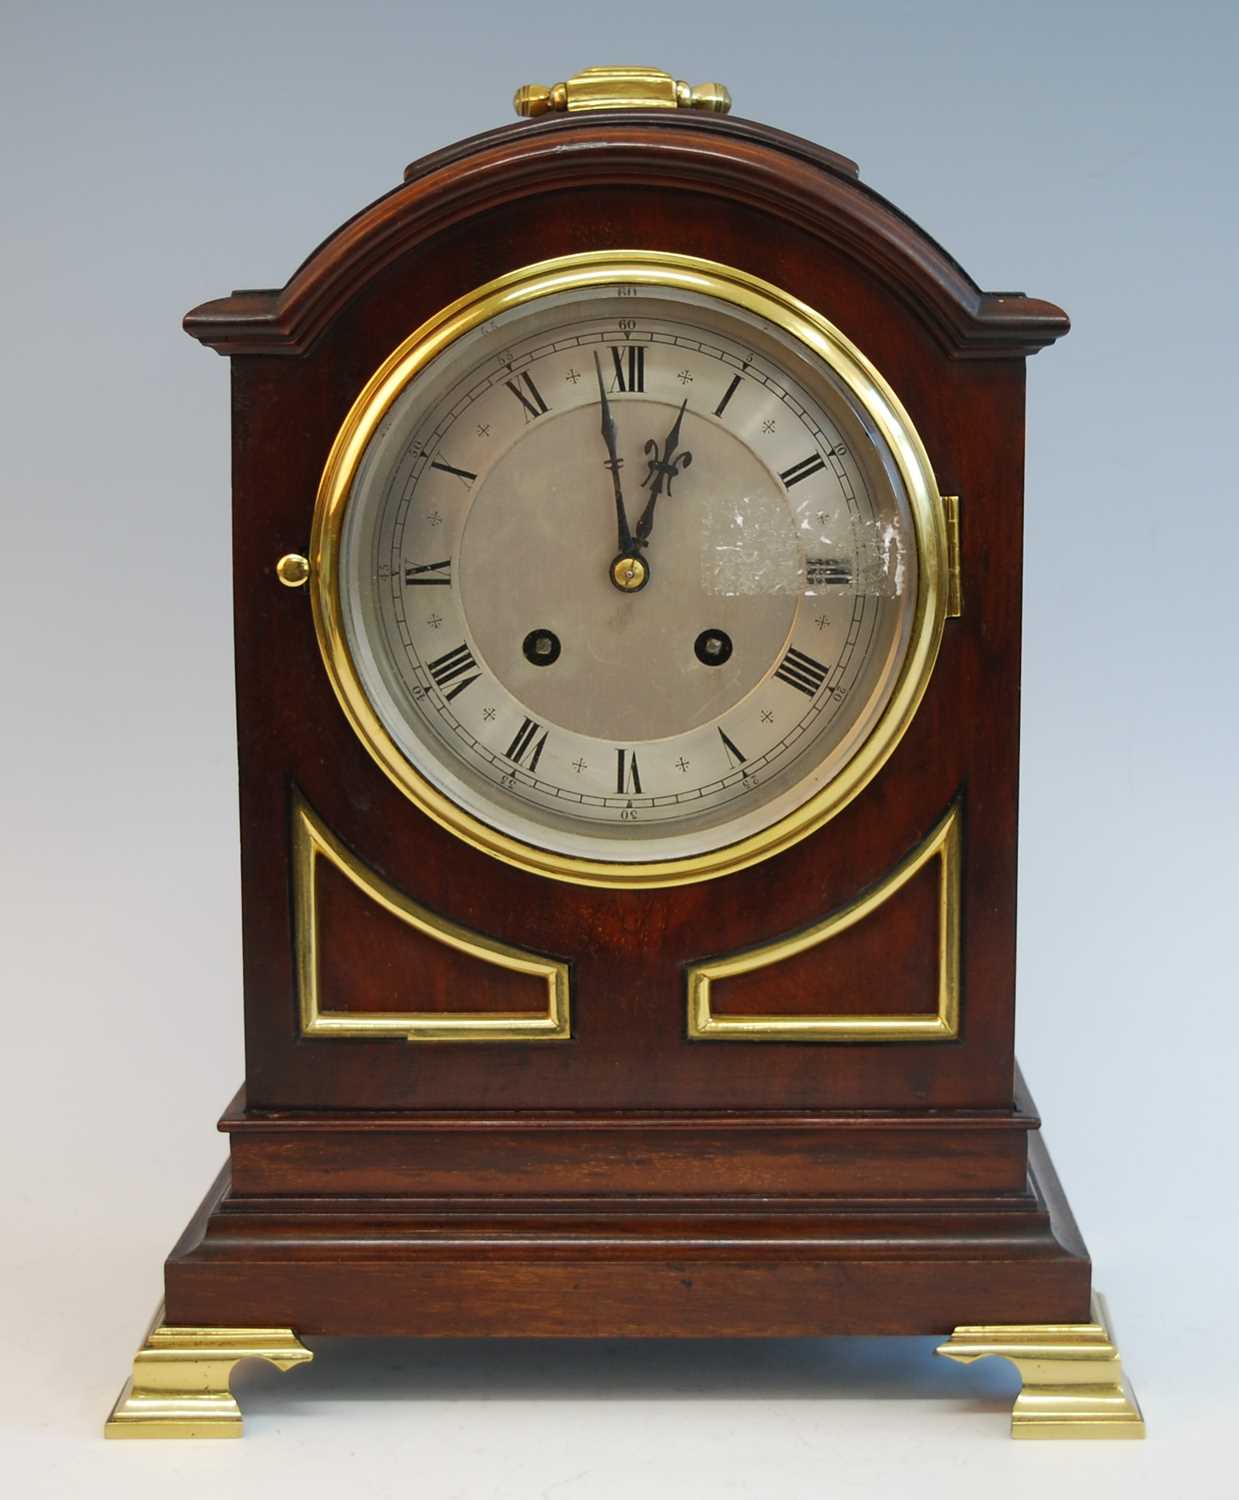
293	570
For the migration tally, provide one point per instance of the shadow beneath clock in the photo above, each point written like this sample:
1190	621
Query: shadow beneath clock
375	1370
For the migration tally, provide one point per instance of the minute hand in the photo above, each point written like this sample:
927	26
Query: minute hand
614	461
662	470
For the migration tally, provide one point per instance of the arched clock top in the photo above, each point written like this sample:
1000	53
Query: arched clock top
752	165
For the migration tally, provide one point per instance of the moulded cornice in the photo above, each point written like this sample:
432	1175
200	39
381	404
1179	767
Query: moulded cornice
780	175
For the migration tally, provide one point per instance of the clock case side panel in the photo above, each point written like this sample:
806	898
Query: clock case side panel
751	203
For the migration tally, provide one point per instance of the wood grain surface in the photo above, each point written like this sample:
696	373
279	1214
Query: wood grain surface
630	1181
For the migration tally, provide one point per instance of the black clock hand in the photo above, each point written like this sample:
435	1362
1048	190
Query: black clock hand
613	463
662	470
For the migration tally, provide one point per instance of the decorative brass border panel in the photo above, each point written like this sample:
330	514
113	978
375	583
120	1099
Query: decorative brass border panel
313	840
943	844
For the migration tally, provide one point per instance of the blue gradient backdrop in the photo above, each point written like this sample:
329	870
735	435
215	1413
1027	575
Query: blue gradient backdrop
159	154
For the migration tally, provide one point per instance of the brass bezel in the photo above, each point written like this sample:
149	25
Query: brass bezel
641	268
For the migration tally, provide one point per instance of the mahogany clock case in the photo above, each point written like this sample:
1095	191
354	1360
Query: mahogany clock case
629	1178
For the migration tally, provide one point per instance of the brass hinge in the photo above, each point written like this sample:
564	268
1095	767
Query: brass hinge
620	88
954	589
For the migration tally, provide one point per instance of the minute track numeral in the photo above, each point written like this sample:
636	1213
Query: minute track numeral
525	742
629	369
424	573
627	775
803	469
452	665
530	397
802	672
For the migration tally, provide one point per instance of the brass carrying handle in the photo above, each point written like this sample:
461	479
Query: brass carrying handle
620	88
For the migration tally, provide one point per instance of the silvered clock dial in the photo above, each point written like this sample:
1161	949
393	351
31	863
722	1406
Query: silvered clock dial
628	568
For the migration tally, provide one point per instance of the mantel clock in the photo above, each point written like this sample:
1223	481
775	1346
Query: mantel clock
627	519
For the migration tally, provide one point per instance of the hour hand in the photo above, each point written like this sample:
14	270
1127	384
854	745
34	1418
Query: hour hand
614	462
663	467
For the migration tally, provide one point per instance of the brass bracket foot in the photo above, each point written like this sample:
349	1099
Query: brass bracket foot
1074	1385
179	1387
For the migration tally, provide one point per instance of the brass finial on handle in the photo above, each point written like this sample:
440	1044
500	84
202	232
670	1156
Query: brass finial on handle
620	88
710	98
533	99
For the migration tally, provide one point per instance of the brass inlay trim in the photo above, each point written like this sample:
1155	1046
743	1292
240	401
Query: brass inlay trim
942	844
1073	1381
954	592
638	268
313	840
179	1386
